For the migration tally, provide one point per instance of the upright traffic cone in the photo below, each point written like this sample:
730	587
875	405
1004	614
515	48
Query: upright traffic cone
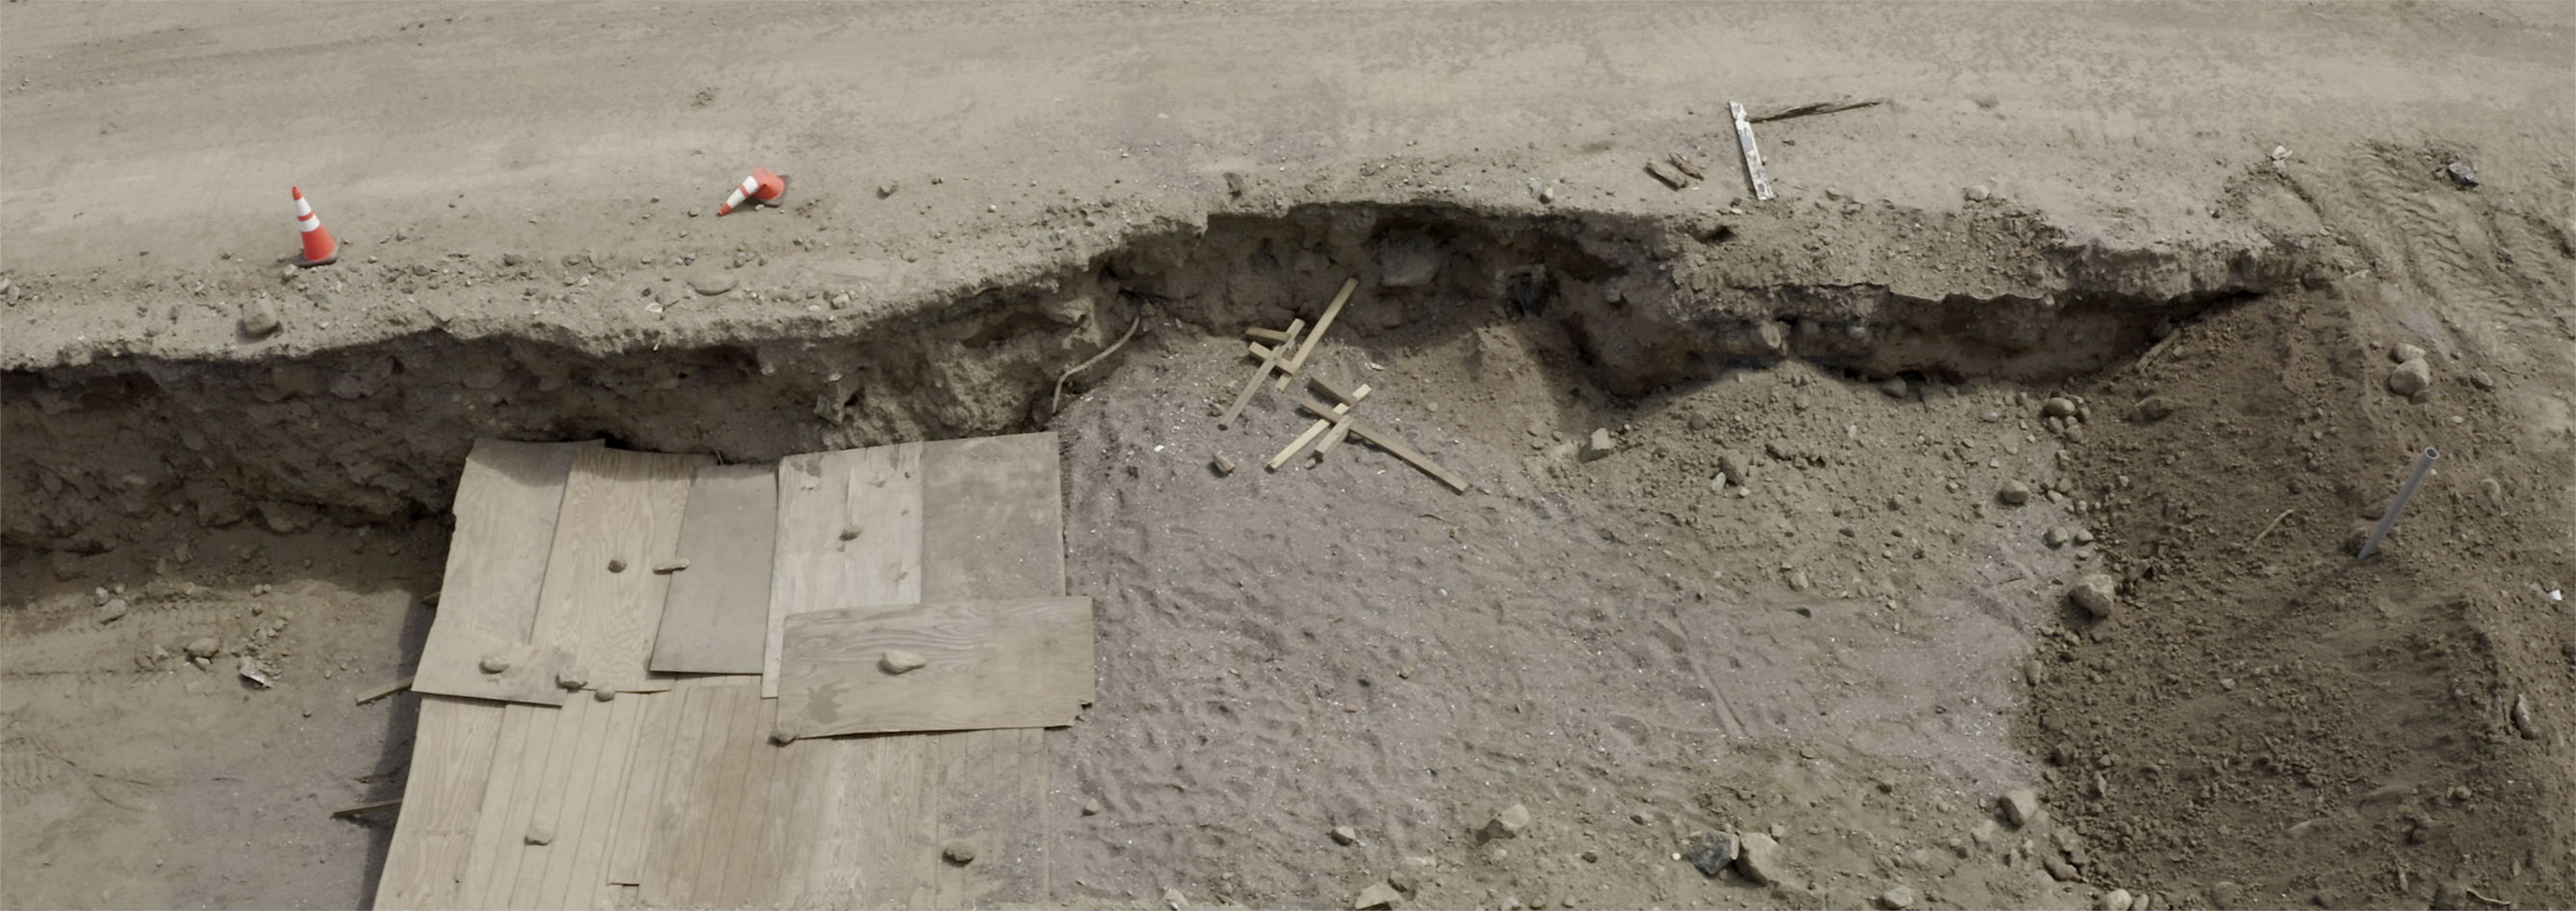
319	248
761	187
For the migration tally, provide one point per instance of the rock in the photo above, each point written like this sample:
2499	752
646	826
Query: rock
204	647
2522	722
1508	823
1976	193
494	664
2083	536
1713	852
960	852
616	565
2462	174
2402	353
2058	868
1897	899
2021	807
2154	408
1409	260
2013	493
112	611
2055	537
2480	379
259	320
1091	807
712	284
1600	445
2097	594
1759	858
888	188
1345	835
604	695
2058	407
2410	378
898	661
1377	895
572	678
541	834
1174	900
2114	900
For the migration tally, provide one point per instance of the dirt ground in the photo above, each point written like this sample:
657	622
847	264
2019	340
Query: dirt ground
2098	290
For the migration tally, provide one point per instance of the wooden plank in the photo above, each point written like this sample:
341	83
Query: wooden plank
749	876
1269	335
363	809
635	815
1752	153
735	725
715	614
601	603
452	755
561	730
1316	430
588	886
1395	445
995	526
507	502
383	690
678	811
849	532
1288	371
493	868
790	835
1269	363
528	671
992	664
578	785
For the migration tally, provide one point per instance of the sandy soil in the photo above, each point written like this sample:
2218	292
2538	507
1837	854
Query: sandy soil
1852	644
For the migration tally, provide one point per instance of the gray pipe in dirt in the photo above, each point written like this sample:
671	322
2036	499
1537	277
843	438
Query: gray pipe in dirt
2389	521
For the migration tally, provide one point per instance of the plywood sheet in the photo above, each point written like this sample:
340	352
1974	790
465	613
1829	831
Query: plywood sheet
507	502
602	603
995	526
654	743
451	763
849	532
717	612
991	664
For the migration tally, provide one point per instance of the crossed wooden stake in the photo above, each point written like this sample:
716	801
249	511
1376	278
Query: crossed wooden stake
1333	423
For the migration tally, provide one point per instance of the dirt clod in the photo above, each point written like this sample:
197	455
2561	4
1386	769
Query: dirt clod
494	664
204	647
541	834
259	319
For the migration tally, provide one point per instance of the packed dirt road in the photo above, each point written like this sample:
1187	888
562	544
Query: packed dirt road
1776	504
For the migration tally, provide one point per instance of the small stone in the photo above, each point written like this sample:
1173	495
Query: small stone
668	567
2402	353
1377	895
204	647
1712	852
2410	378
1976	193
1233	184
604	695
616	565
898	661
572	678
2154	408
2083	536
2013	493
2480	379
2462	173
1174	900
2522	721
1894	387
1599	445
887	189
960	852
2058	868
2055	538
1092	807
494	664
1897	899
2097	594
2057	408
1760	860
2114	900
712	284
541	835
259	319
849	533
1345	835
1508	823
112	611
2021	807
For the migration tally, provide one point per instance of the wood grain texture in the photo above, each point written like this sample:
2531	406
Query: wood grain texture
652	753
995	528
992	664
561	731
507	501
451	764
716	611
625	507
677	799
873	494
493	868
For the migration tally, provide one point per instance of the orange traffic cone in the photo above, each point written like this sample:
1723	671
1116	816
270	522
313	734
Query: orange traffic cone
761	187
319	248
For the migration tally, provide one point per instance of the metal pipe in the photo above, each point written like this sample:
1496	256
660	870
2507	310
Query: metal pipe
2423	466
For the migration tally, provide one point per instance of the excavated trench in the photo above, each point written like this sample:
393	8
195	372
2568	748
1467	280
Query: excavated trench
137	449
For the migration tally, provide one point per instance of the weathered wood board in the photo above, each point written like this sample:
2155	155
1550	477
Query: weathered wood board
849	532
991	664
602	602
508	500
716	612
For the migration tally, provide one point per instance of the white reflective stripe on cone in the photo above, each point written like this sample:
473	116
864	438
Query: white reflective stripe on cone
750	185
303	209
309	225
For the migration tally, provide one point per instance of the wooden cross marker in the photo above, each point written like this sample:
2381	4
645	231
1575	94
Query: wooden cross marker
1389	442
1269	363
1321	425
1298	362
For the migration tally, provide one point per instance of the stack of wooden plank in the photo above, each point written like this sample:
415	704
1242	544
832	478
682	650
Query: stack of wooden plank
642	663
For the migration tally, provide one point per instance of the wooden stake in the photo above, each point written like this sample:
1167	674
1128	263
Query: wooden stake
384	691
1815	107
1395	445
1321	425
1299	362
1752	153
366	808
1267	364
1267	335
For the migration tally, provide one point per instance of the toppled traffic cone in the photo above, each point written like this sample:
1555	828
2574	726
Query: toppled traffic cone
319	248
761	187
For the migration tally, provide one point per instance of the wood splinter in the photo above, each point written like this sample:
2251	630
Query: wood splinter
384	691
366	808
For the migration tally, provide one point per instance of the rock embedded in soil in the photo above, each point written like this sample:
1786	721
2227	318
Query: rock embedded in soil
204	647
1377	895
2057	408
259	319
2114	900
2098	594
1897	899
2013	493
1600	445
1091	807
1508	823
1345	835
1894	387
1713	852
2402	353
2410	378
2021	807
960	852
112	611
713	284
1759	858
